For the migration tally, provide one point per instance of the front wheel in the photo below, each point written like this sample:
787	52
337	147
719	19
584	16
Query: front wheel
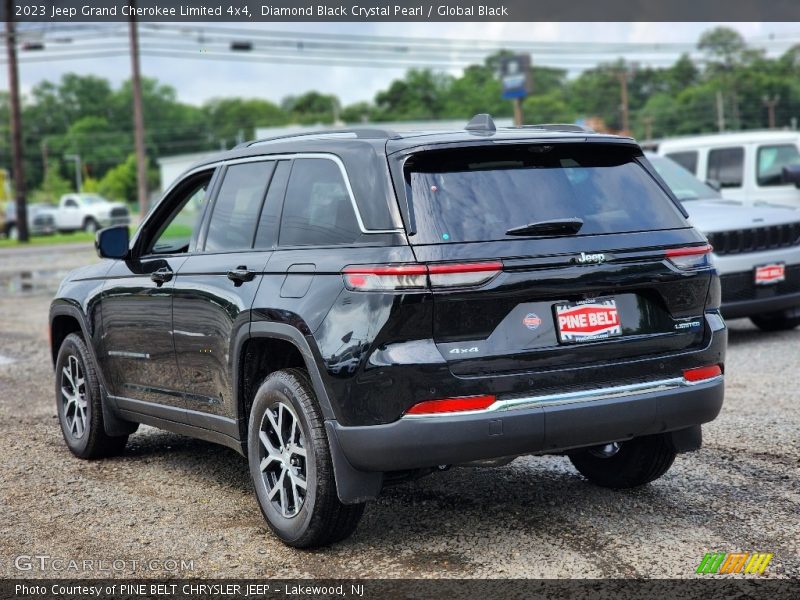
78	402
291	465
625	464
775	321
90	226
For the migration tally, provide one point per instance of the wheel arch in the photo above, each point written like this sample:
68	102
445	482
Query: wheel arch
352	485
66	318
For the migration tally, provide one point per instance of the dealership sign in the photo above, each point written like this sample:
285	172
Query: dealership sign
515	76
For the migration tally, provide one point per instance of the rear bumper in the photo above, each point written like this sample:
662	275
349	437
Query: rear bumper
543	424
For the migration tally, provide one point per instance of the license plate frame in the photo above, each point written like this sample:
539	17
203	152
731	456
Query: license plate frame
593	320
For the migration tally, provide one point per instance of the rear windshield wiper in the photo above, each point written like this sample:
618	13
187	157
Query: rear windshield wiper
569	226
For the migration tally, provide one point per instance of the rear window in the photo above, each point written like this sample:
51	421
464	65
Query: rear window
478	194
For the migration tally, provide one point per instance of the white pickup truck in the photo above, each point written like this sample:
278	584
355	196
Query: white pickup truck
89	212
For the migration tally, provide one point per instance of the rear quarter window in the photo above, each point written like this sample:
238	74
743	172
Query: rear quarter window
479	193
318	209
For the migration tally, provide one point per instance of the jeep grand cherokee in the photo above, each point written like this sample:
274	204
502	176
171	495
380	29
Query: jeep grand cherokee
351	309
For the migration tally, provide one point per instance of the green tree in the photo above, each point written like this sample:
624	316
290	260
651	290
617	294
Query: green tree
420	95
311	108
229	118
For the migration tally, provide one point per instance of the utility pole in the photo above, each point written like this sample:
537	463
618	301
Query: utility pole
720	111
138	117
771	103
518	117
16	124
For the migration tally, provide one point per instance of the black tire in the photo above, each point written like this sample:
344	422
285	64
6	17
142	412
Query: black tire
90	225
318	518
637	462
775	322
85	438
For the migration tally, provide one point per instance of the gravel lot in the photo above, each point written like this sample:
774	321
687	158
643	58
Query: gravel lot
173	497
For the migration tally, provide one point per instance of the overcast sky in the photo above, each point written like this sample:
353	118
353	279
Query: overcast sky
197	80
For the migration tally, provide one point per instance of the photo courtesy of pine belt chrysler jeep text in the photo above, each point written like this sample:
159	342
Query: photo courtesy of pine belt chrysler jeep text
355	308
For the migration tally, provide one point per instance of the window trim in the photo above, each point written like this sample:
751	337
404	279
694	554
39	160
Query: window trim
302	155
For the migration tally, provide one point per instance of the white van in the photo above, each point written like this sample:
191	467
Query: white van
751	166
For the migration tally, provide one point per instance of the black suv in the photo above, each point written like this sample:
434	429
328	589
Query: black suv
350	309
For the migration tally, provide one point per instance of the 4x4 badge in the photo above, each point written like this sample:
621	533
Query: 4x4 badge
590	258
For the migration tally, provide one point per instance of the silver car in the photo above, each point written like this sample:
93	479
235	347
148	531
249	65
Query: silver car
756	249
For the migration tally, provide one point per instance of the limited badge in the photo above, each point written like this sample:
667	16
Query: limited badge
532	321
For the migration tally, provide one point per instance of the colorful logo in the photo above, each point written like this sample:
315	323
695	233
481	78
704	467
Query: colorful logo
722	563
532	321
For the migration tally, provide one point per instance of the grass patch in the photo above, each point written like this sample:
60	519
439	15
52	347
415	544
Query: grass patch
52	240
49	240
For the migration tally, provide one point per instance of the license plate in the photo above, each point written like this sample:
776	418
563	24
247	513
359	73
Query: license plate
587	321
770	274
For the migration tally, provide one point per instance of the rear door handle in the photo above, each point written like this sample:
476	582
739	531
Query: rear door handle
241	274
161	276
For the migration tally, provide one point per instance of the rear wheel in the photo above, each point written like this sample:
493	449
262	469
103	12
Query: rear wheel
775	321
625	464
78	400
291	466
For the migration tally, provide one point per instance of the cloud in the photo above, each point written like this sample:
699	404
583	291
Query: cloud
197	80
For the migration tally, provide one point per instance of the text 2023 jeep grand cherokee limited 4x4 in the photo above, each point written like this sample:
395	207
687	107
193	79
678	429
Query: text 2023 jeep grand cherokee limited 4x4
350	309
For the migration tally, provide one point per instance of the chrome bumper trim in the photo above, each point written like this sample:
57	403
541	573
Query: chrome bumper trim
593	395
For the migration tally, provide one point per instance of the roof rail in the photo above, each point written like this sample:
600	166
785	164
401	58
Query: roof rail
482	122
565	127
366	133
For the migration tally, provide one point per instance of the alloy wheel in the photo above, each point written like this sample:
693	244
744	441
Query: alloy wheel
73	397
282	459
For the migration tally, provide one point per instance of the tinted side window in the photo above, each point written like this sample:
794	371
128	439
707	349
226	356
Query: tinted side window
238	204
317	210
688	160
726	165
772	159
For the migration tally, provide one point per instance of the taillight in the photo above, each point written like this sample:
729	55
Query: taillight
702	373
416	277
451	405
385	277
692	257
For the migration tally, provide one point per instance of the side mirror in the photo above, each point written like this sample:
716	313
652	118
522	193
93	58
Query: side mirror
112	242
714	184
791	174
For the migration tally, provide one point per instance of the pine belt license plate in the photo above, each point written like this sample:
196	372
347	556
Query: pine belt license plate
587	321
770	274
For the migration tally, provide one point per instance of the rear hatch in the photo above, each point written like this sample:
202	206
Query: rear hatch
569	245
